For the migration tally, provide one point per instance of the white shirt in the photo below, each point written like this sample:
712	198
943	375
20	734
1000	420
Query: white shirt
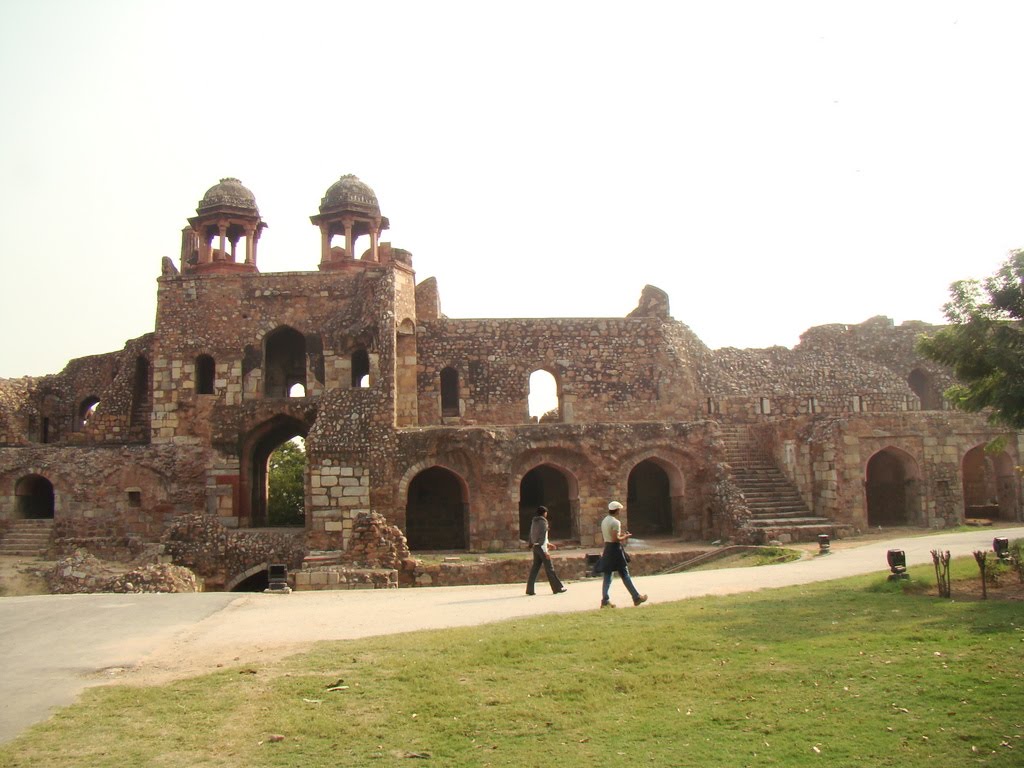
610	527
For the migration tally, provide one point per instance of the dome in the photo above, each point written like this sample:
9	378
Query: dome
350	194
228	193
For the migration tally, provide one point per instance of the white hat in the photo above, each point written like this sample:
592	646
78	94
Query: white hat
614	506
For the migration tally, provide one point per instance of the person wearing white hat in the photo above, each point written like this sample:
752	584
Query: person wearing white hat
614	558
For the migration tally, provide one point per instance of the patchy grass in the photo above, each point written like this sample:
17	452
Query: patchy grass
853	672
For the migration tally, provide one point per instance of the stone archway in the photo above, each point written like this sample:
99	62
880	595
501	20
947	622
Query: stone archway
989	484
437	511
35	498
256	449
892	488
555	489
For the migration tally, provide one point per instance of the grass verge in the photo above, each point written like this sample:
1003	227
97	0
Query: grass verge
850	673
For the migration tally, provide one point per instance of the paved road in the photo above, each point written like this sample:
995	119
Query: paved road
57	645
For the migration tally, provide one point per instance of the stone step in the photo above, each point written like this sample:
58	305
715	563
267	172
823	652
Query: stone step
27	537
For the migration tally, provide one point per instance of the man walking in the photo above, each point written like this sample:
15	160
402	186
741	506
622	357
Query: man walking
540	545
614	558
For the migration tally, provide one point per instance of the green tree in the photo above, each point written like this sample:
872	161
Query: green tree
286	495
984	343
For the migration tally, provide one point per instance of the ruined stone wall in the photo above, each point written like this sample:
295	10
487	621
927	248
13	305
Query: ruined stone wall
140	485
607	369
47	409
827	458
228	316
836	369
597	458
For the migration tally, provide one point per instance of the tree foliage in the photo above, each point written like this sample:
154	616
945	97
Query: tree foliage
984	343
286	494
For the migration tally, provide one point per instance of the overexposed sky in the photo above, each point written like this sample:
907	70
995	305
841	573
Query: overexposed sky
770	165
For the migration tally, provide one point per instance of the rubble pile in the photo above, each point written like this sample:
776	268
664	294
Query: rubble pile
375	543
81	573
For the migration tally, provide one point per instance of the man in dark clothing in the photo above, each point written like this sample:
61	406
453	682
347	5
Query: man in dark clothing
540	545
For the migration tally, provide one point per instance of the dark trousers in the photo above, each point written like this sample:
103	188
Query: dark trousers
540	558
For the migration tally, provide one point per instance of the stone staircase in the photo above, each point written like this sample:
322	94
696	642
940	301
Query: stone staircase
29	538
778	511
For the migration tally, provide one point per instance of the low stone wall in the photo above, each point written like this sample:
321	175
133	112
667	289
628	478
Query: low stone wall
512	570
341	577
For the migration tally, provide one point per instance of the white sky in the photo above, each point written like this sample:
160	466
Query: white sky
771	165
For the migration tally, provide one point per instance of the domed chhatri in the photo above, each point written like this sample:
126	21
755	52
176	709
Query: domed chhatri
350	194
349	210
226	215
229	193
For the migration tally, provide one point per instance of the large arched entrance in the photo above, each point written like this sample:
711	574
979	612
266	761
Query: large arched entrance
35	498
649	500
257	449
549	486
891	486
990	484
437	511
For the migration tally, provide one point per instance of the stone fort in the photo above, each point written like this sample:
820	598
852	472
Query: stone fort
424	419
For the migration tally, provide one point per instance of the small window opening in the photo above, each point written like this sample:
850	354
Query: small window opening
857	404
812	405
766	406
543	397
134	498
360	369
450	392
86	410
297	390
205	374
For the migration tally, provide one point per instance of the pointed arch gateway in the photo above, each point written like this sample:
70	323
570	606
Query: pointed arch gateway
437	510
989	484
649	498
892	488
256	449
555	488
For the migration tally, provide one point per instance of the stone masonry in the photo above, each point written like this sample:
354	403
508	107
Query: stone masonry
422	420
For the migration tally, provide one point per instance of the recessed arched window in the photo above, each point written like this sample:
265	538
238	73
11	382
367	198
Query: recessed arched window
360	368
542	399
85	411
449	392
205	374
284	363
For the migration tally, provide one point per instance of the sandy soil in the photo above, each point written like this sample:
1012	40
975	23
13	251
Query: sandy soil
20	576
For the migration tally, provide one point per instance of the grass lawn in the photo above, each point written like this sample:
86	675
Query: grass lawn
846	673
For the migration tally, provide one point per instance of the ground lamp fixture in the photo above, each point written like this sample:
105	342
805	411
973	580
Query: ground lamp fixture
1001	546
277	579
897	560
824	546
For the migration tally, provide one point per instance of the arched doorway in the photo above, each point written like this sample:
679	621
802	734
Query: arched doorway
548	486
649	500
257	449
989	484
892	488
35	498
437	511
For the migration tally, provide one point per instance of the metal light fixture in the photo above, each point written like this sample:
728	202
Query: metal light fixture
897	560
824	545
1001	546
277	579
